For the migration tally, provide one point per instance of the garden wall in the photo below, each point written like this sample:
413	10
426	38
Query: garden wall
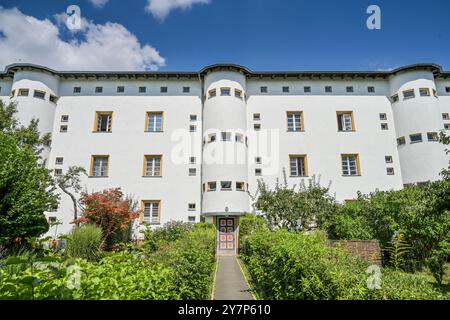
367	250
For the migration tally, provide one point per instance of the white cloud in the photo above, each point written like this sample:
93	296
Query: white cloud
160	9
108	46
99	3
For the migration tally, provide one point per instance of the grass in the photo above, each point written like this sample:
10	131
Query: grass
446	280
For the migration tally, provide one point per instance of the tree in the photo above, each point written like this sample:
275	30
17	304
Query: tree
444	139
71	181
110	210
26	191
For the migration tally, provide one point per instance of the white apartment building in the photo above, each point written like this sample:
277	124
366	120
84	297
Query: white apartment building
193	145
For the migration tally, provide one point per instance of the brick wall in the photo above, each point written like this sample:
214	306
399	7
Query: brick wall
369	251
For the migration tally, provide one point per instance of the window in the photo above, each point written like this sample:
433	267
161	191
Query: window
390	171
103	121
395	98
192	172
384	126
64	118
258	172
328	89
447	89
12	93
76	89
350	165
239	137
163	89
415	138
408	94
212	93
307	89
23	92
257	126
153	166
435	93
151	210
212	186
256	116
225	91
432	136
191	206
388	159
186	89
424	92
99	166
263	89
238	93
212	137
154	122
39	94
445	116
240	186
53	99
98	89
285	89
258	160
295	121
447	126
383	116
142	89
63	129
298	167
58	172
401	141
345	121
59	161
371	89
120	89
349	89
192	128
225	185
193	117
192	160
191	219
52	220
226	136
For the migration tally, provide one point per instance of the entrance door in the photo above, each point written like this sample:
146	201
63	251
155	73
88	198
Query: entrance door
226	235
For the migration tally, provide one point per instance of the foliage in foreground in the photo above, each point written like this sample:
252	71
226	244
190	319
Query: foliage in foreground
294	266
85	242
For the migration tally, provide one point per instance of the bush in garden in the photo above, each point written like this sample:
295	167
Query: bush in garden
85	242
170	232
250	224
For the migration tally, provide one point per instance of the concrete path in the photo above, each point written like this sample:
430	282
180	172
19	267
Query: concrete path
230	282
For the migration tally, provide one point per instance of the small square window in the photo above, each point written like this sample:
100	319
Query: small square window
445	116
240	186
424	92
53	99
192	160
186	89
192	172
39	94
371	89
238	93
435	93
212	137
401	141
307	89
239	137
258	172
408	94
394	98
415	138
52	220
286	89
192	128
193	117
384	126
163	90
191	206
256	116
388	159
263	89
98	89
142	89
383	116
76	89
59	161
328	89
447	126
212	93
191	219
349	89
23	92
120	89
447	89
226	136
58	172
212	186
12	93
63	129
225	91
65	118
257	126
390	171
225	185
258	160
432	136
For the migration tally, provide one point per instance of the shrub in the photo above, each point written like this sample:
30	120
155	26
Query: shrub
170	232
85	242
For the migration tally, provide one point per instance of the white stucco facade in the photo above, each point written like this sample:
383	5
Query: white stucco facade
247	113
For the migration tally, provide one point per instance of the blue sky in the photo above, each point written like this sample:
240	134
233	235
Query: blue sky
266	34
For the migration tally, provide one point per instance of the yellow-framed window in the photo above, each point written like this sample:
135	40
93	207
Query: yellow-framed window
298	165
152	165
103	121
99	166
350	165
345	121
151	212
295	121
154	121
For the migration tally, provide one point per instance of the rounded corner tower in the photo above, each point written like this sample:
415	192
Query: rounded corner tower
417	119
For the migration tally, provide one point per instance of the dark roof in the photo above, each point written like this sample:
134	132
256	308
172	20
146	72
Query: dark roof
435	68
